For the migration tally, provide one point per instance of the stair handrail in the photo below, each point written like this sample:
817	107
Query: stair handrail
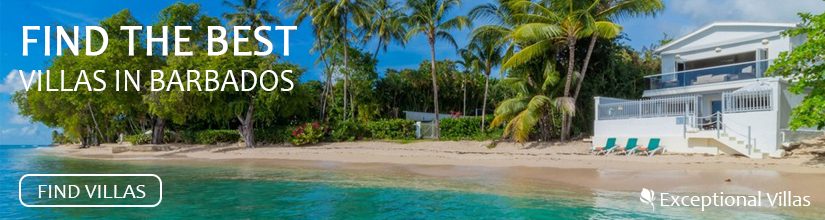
723	126
749	138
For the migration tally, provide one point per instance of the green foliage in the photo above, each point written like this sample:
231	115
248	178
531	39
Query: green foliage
217	136
467	128
347	131
393	90
277	135
391	129
59	138
138	139
805	66
308	133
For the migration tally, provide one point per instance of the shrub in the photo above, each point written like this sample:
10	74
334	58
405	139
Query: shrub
391	129
278	135
138	139
467	128
309	133
187	136
217	136
347	131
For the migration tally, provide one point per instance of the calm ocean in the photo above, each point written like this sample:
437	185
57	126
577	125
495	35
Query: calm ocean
244	191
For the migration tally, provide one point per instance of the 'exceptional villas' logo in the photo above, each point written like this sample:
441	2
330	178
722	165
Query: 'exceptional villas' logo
647	197
760	199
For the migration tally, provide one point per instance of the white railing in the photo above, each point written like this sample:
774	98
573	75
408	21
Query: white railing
747	101
665	107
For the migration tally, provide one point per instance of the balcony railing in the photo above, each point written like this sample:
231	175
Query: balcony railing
747	101
724	73
611	108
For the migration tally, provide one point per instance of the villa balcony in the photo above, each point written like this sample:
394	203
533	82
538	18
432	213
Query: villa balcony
716	74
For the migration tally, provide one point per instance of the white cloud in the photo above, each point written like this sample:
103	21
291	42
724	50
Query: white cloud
7	131
705	11
28	130
63	14
11	83
16	118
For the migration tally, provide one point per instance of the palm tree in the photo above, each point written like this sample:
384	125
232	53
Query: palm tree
545	23
533	104
387	26
470	64
429	17
249	13
488	51
334	16
608	10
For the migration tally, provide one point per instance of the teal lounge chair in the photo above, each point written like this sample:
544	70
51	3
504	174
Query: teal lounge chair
652	147
610	145
629	147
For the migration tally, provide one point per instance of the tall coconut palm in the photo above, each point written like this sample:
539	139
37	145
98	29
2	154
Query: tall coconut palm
608	10
488	51
469	62
387	26
251	13
546	23
429	18
336	16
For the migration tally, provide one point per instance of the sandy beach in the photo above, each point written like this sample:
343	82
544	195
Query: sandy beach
570	165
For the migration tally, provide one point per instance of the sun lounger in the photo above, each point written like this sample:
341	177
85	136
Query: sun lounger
609	146
652	147
629	147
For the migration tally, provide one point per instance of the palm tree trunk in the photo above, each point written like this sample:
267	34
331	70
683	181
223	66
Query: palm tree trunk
435	88
464	89
92	113
584	66
571	48
581	78
346	68
377	48
323	100
484	102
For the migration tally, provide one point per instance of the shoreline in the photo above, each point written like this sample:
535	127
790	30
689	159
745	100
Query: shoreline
457	153
567	166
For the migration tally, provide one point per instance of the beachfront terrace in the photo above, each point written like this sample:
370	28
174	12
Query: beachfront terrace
715	74
614	108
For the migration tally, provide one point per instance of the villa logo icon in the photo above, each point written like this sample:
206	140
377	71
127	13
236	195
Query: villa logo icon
647	197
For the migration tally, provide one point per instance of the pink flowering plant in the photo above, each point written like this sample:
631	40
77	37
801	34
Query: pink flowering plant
309	133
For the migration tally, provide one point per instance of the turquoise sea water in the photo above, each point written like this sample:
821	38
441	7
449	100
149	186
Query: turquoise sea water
232	191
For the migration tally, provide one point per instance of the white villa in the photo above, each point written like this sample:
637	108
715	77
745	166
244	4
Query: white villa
712	97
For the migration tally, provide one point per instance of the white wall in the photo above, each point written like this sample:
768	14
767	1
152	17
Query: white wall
666	129
762	124
637	127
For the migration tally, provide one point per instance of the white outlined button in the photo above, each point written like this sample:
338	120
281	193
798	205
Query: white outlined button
20	191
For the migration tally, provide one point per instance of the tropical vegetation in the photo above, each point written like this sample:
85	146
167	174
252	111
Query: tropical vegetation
521	61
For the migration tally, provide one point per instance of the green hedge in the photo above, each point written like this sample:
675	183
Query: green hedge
391	129
277	135
467	128
138	139
347	131
217	136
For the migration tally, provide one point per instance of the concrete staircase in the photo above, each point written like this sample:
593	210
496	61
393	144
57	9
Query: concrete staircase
731	142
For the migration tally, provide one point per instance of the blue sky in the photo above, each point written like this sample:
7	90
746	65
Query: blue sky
679	18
